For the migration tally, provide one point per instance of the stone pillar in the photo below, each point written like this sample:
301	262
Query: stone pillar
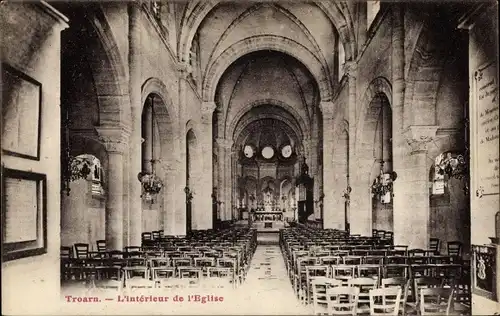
224	187
411	214
115	141
359	188
174	197
220	178
361	203
227	181
205	187
135	203
333	213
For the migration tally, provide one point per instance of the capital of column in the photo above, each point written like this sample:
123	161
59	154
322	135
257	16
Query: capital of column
114	139
207	109
184	69
224	143
351	69
419	136
327	109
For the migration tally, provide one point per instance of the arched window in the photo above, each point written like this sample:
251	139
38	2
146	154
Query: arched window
341	60
95	174
372	8
156	9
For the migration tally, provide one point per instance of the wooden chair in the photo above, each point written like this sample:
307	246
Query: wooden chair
163	277
65	252
220	277
364	285
319	286
342	300
155	235
402	283
313	272
455	248
101	245
343	272
435	245
81	250
385	301
435	301
419	284
133	249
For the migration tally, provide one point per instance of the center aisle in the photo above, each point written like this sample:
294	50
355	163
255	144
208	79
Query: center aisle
267	289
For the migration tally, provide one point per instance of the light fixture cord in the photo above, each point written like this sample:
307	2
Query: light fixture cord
152	134
382	137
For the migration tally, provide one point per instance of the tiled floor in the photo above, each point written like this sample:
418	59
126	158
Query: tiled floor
267	289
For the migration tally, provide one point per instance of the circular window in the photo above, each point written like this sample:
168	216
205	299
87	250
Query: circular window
248	151
268	152
286	151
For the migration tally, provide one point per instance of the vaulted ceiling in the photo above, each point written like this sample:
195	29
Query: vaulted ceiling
278	54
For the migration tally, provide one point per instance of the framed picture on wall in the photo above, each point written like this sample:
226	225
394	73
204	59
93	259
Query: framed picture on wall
24	214
484	278
21	111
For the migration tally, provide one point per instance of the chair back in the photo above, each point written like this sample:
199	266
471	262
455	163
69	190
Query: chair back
65	252
435	245
319	286
385	301
435	301
424	282
101	245
146	236
364	285
455	248
132	248
342	300
81	250
401	283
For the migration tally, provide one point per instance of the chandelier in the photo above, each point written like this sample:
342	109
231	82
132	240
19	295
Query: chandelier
382	186
347	194
452	164
151	183
73	168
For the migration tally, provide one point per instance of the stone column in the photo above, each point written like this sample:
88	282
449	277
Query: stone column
135	203
333	214
361	204
411	215
205	187
227	180
115	141
360	193
221	190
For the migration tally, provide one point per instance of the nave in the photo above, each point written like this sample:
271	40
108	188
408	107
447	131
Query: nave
308	271
194	147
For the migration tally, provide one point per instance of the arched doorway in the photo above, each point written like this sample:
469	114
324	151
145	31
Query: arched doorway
381	173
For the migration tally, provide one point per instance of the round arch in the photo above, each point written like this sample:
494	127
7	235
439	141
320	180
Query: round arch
369	114
304	129
266	42
164	111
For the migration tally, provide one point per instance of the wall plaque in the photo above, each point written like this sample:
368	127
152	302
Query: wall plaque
486	131
24	214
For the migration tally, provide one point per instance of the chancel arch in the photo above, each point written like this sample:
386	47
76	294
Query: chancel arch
207	143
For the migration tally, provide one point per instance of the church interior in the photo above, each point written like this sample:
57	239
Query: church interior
250	157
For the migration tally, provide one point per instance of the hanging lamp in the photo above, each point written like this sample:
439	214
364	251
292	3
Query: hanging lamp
151	183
